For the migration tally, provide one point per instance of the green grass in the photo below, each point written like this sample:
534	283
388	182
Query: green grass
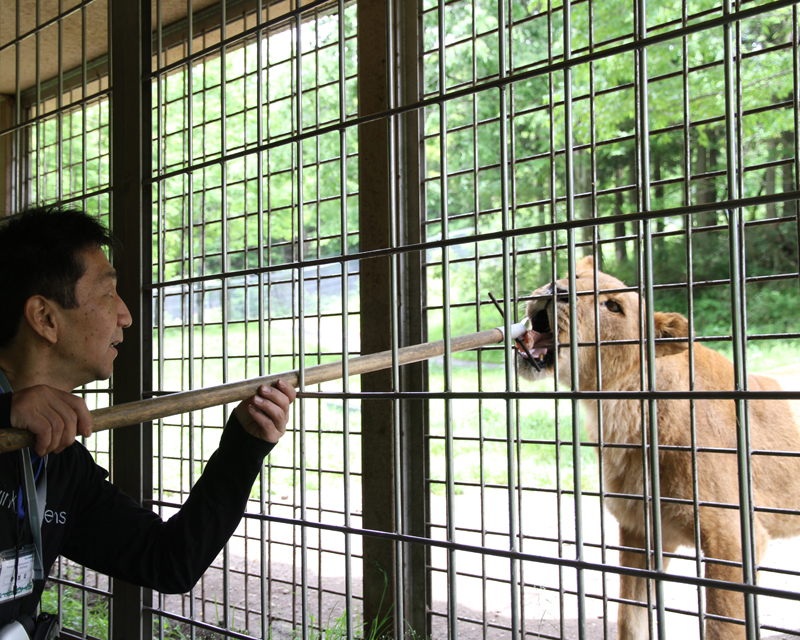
72	610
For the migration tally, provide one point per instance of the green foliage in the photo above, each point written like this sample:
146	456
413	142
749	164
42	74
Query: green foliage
536	131
73	607
170	630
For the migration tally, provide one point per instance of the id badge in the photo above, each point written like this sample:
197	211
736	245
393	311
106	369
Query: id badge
17	565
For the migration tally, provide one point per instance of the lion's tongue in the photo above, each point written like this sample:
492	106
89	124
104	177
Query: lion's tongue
537	343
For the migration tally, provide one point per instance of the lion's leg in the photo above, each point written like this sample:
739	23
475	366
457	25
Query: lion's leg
722	540
726	545
632	619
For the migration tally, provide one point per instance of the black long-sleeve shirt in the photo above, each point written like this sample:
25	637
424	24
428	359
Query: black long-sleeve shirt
89	520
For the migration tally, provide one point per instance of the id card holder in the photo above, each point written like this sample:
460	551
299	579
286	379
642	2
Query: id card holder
16	573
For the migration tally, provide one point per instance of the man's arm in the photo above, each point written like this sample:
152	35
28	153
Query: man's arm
116	536
56	417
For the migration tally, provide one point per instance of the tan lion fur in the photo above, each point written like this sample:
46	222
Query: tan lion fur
772	426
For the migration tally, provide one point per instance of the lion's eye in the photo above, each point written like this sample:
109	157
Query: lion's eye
612	305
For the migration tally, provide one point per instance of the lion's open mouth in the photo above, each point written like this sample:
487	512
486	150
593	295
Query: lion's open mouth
539	341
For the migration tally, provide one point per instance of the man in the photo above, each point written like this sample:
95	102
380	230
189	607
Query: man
61	322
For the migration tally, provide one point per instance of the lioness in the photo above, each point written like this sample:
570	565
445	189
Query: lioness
772	425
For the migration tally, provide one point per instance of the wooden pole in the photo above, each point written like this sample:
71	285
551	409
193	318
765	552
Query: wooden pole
186	401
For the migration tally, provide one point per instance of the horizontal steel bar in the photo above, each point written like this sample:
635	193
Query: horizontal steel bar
722	205
518	555
79	585
558	395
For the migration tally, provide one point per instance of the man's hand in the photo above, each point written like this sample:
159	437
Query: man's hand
55	417
266	414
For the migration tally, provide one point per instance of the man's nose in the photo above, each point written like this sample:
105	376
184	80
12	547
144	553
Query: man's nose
124	318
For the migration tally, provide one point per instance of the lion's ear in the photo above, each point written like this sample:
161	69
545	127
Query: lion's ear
670	325
584	264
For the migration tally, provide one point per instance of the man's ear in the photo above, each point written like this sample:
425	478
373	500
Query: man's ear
670	325
41	315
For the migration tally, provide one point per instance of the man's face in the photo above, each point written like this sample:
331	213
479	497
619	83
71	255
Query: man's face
88	334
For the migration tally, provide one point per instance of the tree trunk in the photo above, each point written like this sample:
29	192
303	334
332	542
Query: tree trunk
659	202
706	187
620	246
583	206
789	208
769	177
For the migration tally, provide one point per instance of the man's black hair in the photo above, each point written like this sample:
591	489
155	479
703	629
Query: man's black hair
40	254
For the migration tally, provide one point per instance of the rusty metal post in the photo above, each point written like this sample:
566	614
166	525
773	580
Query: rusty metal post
130	218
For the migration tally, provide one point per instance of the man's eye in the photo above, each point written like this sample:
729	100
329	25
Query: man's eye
612	305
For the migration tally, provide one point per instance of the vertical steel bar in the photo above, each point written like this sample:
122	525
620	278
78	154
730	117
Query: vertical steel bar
687	199
84	104
796	116
554	273
59	111
508	313
416	413
394	268
60	169
651	409
476	195
189	326
264	59
85	76
743	450
345	272
452	575
160	264
643	406
18	133
131	148
41	173
298	22
227	618
263	486
745	416
298	302
318	310
573	332
131	595
597	252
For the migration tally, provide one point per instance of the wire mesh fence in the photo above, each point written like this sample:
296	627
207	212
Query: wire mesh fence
503	141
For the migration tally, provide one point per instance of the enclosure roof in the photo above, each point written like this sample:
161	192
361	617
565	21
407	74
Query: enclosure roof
18	32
